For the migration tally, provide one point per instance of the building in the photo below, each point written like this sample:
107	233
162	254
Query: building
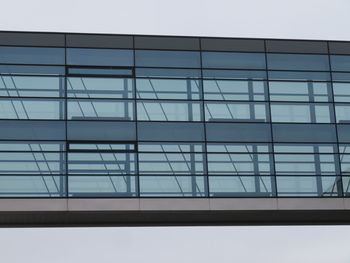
123	129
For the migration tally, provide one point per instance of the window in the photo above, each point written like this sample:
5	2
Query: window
233	60
297	62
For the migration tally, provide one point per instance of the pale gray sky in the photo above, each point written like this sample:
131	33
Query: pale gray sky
300	19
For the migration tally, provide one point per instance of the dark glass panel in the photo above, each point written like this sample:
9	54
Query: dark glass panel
233	60
340	63
297	62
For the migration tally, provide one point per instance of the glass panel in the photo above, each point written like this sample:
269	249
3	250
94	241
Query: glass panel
102	57
157	58
234	74
100	110
32	70
300	91
32	163
192	186
234	90
342	112
169	111
230	186
341	92
167	73
236	111
340	63
31	86
101	147
308	186
162	131
346	185
305	148
307	133
101	130
102	71
100	87
101	186
32	55
171	147
32	186
295	75
31	109
168	89
101	163
30	146
233	60
338	76
301	112
297	62
240	164
238	148
238	132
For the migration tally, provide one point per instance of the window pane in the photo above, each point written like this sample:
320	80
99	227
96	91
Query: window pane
31	109
32	186
168	89
101	163
100	110
100	71
340	63
32	70
234	90
234	74
241	112
307	185
31	86
173	147
99	57
168	73
346	185
31	146
99	87
230	186
341	92
101	130
32	55
342	112
32	163
102	186
297	62
300	91
192	186
233	60
295	75
162	131
150	58
168	111
312	113
238	132
238	148
307	133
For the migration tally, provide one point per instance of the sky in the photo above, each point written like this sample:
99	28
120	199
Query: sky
296	19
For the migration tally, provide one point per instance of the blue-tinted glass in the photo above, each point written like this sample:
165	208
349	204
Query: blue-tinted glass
340	63
346	185
297	62
162	131
101	130
236	112
101	163
80	87
99	57
238	132
177	186
341	92
307	133
32	186
31	146
171	147
32	55
86	109
101	186
167	73
169	111
100	71
300	91
181	59
295	75
32	130
307	185
233	60
302	112
230	186
31	109
31	86
234	90
168	89
234	74
32	70
238	148
32	163
339	76
342	112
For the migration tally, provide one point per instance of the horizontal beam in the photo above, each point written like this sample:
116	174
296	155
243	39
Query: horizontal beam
173	212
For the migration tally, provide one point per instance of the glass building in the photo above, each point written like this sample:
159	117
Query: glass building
86	115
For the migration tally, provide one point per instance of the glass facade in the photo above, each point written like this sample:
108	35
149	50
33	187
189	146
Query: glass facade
126	120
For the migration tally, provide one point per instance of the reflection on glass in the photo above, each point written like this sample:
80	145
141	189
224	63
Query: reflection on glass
233	60
297	62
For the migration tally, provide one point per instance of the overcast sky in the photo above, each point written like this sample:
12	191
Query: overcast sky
299	19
